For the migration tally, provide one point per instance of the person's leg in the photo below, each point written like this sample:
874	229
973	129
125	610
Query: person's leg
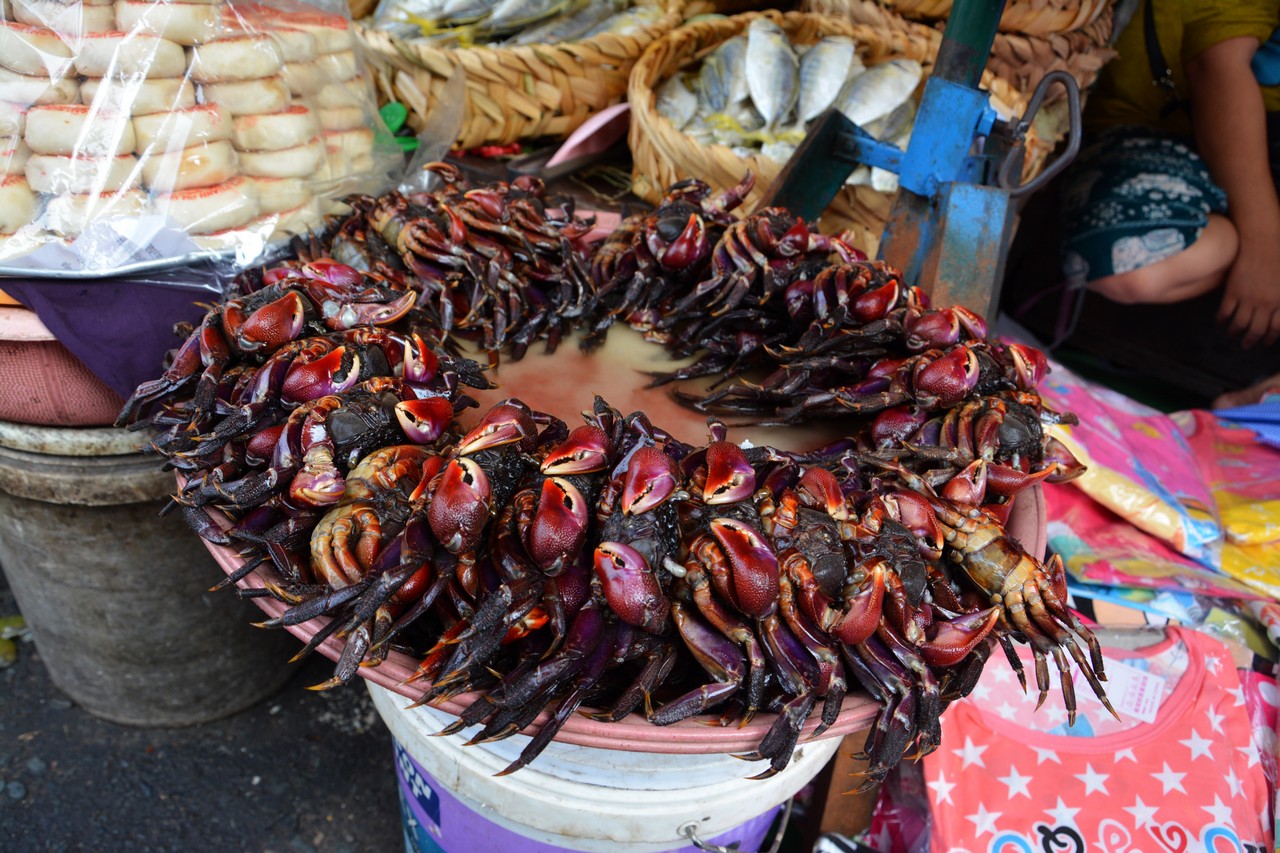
1196	270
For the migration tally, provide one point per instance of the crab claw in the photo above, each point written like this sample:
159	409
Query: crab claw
460	506
893	426
431	466
730	477
949	378
335	373
973	323
950	640
341	314
421	364
587	449
630	587
753	564
1063	464
1004	481
332	272
425	420
506	423
969	486
1029	364
914	512
862	613
688	247
271	326
559	526
819	487
795	241
651	478
932	329
876	302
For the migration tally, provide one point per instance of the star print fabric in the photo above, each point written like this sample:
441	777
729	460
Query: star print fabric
1007	778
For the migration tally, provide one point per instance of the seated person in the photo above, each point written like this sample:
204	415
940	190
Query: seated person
1174	196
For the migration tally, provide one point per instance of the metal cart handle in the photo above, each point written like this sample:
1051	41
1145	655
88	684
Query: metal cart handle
1006	179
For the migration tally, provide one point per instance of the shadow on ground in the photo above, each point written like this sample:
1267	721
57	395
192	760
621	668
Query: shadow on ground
300	771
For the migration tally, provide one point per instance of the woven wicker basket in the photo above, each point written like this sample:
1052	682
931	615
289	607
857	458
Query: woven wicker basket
663	155
1033	17
514	93
1018	58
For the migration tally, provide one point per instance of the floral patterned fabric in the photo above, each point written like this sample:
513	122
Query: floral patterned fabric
1134	197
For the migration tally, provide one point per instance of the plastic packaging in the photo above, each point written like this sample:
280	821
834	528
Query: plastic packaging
154	132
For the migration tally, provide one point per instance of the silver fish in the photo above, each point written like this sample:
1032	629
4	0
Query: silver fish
773	74
879	90
570	27
719	79
510	15
676	101
824	68
629	22
903	117
779	152
734	56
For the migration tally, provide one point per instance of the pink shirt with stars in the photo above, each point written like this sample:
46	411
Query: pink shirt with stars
1190	780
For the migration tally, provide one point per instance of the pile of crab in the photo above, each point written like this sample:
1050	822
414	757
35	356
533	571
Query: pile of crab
611	566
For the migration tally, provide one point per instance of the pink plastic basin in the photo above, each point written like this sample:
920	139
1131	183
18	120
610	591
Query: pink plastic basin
633	734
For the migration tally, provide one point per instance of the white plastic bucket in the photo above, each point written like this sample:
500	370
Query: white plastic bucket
577	797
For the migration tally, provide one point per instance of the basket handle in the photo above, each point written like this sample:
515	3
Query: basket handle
1005	178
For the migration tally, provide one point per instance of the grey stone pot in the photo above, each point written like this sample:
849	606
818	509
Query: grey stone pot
116	597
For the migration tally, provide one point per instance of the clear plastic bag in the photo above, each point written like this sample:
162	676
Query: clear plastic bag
141	133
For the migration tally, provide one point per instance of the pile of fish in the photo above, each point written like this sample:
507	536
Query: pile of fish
756	93
462	23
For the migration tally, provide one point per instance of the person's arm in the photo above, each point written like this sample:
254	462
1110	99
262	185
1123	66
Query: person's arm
1231	132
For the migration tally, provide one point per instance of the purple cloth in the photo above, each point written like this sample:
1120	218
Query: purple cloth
120	327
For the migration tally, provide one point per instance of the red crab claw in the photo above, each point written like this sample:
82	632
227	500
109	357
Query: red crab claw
948	379
688	247
796	240
885	368
973	323
1062	462
341	314
489	200
999	512
262	443
862	613
877	302
651	478
820	488
335	373
630	587
270	327
932	329
730	477
969	486
893	426
460	506
732	197
1029	364
587	449
559	526
1004	481
506	423
753	564
431	466
330	271
914	512
425	420
844	246
421	364
950	640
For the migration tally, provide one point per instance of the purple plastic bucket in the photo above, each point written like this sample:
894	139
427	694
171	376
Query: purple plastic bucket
435	821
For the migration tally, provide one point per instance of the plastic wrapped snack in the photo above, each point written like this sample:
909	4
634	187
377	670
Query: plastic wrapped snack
142	132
